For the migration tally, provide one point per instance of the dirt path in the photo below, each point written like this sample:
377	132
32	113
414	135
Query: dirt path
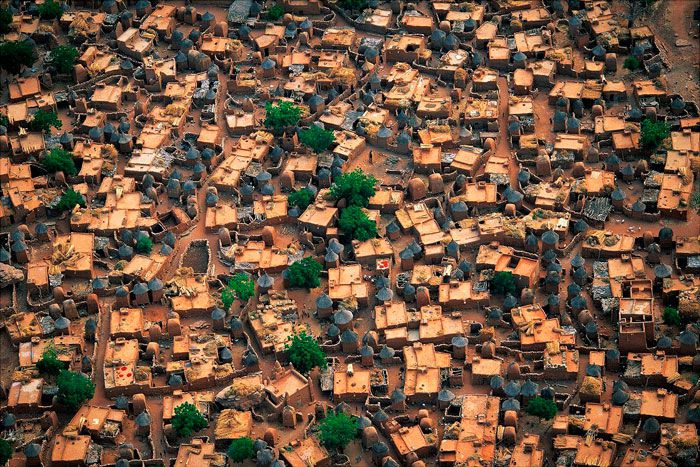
672	23
502	144
100	398
155	408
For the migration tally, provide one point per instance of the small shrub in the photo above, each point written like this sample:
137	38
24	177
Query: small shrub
275	12
695	200
144	245
69	199
541	407
188	420
59	160
671	316
240	286
241	449
43	120
305	273
301	198
304	352
631	63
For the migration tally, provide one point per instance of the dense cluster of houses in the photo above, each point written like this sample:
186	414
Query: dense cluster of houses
535	142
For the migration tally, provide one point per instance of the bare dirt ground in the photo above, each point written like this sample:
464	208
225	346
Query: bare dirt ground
672	22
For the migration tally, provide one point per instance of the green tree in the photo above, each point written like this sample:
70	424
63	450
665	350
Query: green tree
63	57
240	286
49	363
144	245
59	160
74	389
69	199
43	120
5	451
671	316
354	222
275	12
15	54
301	198
336	431
352	5
50	9
503	283
631	63
4	121
317	138
188	420
653	133
355	187
5	24
304	352
241	449
282	115
305	273
541	407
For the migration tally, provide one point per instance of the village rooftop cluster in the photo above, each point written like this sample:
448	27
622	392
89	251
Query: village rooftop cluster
348	233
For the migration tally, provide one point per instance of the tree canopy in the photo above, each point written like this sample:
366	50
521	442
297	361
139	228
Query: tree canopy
50	9
336	431
541	407
49	363
355	187
282	115
188	420
74	389
317	138
503	283
275	12
631	63
653	133
43	120
304	352
69	199
354	222
15	54
671	316
59	160
5	23
5	451
240	286
301	198
63	57
305	273
352	5
241	449
144	245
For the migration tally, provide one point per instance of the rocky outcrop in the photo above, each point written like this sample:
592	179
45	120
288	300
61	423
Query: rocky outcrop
9	275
